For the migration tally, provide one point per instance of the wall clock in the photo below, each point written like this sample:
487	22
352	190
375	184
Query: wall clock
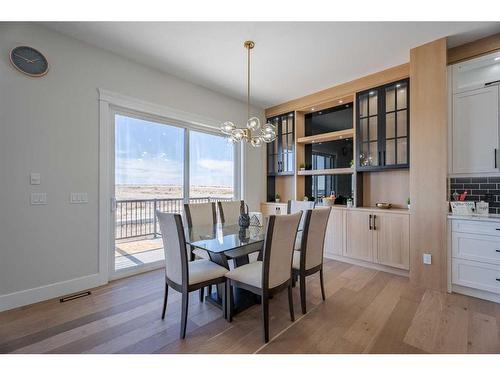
29	61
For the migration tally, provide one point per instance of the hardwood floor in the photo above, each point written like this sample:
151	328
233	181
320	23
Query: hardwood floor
366	311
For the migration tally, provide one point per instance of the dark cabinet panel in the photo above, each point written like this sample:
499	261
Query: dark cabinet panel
383	127
281	152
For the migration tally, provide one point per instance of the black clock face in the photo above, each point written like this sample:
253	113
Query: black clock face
29	61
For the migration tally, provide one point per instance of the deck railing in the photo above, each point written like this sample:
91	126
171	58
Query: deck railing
136	217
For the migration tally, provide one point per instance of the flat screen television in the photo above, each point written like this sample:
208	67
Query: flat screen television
329	120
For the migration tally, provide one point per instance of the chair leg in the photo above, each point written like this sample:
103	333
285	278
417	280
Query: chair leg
201	294
265	316
185	301
290	302
165	298
229	300
224	301
303	293
322	283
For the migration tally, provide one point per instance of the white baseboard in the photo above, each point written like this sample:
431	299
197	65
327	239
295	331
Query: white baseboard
45	292
482	294
362	263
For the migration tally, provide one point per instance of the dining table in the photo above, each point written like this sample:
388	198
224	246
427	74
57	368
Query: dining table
228	245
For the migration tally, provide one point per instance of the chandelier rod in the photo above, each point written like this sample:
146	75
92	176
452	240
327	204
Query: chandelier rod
248	45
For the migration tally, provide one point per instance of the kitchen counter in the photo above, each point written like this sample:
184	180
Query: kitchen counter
376	209
489	217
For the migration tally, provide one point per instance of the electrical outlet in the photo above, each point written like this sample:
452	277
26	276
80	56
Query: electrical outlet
427	258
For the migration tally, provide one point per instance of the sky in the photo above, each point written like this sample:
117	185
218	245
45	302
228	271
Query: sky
151	153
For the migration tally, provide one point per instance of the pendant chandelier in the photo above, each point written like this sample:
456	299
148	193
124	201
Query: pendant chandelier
253	132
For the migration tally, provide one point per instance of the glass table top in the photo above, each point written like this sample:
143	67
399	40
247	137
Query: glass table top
221	238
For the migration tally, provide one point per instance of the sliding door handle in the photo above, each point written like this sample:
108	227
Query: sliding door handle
370	222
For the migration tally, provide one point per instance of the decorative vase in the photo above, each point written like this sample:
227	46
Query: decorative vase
244	220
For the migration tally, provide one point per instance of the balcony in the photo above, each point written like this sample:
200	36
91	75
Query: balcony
137	233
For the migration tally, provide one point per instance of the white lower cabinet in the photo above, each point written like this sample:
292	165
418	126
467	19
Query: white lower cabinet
475	258
482	276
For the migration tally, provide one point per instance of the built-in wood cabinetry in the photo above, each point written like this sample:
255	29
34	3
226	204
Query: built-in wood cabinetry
273	208
392	242
378	237
359	235
375	236
335	239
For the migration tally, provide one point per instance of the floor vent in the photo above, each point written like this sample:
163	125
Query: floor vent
75	296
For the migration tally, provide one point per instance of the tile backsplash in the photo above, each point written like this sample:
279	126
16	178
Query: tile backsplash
478	188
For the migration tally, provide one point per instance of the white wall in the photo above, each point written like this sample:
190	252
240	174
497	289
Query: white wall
50	125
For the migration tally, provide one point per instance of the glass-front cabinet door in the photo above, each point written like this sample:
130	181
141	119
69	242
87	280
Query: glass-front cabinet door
281	152
368	145
396	124
382	129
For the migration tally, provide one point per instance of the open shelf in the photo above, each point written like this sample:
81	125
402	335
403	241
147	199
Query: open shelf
326	137
321	172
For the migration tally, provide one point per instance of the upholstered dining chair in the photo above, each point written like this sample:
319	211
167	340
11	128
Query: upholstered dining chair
199	215
181	275
299	206
309	259
229	212
271	274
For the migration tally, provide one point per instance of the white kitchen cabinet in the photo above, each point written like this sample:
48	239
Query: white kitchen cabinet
475	256
475	131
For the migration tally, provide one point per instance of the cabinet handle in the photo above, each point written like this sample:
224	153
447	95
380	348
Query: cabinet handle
374	222
370	222
498	251
384	157
495	158
498	279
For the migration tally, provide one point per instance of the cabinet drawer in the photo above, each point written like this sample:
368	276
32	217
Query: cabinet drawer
476	247
476	275
476	227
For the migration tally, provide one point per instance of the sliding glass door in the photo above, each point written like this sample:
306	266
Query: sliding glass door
211	167
160	165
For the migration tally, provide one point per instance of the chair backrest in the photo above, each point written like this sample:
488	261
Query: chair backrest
300	206
200	214
230	211
278	249
174	246
313	237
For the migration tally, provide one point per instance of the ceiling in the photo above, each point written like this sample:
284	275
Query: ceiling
290	60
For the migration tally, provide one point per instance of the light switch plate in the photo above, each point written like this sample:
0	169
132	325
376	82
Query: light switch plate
38	199
427	258
35	179
78	198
